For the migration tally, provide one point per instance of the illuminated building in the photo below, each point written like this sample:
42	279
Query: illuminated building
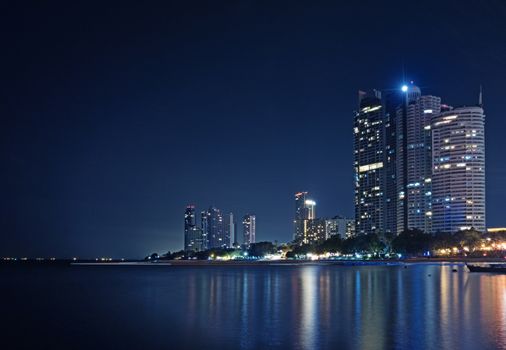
249	229
231	230
496	229
369	146
304	211
204	227
213	228
414	159
458	180
193	239
391	100
341	226
315	231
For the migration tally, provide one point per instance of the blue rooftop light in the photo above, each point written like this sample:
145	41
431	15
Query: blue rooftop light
404	88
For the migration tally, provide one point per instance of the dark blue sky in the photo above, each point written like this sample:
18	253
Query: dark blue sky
116	117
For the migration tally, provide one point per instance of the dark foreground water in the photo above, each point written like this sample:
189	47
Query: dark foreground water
301	307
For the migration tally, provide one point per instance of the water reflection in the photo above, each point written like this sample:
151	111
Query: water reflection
302	307
361	307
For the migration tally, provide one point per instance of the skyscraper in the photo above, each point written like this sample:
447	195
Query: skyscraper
204	226
232	230
249	229
193	239
392	100
458	181
369	147
414	159
304	211
213	228
189	225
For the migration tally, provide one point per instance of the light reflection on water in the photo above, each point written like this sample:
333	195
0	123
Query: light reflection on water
303	307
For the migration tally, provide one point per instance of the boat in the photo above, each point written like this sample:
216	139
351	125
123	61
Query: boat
495	268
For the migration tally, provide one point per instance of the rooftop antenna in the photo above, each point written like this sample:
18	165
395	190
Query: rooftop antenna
480	97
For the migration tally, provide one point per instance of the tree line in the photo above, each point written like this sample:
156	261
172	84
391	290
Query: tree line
409	243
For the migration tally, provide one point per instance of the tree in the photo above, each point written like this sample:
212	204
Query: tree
467	238
411	242
261	249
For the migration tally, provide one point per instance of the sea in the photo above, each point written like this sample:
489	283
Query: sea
271	306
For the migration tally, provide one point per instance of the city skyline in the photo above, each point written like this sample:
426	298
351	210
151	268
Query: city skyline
419	164
111	131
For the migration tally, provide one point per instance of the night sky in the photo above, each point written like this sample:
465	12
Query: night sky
114	118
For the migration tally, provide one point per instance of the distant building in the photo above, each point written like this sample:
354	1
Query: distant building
231	230
304	211
458	180
341	226
189	225
213	228
249	229
204	227
193	239
315	231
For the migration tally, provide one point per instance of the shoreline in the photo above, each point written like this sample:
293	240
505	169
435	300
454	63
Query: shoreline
286	262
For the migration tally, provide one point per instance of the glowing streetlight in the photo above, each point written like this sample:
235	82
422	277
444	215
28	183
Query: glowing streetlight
404	88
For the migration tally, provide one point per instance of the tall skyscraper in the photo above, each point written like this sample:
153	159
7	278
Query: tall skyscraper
193	239
189	225
369	157
204	226
232	232
304	211
414	159
215	231
392	100
249	229
458	180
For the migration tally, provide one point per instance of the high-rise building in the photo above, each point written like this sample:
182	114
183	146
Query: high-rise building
369	157
414	159
391	101
249	229
458	180
213	227
193	239
232	230
316	231
341	226
189	225
204	227
304	211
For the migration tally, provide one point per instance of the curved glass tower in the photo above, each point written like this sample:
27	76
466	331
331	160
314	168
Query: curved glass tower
458	161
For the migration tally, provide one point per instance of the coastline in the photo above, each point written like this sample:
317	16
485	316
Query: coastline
285	262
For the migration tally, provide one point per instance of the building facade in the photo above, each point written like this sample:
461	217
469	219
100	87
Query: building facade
340	226
414	160
193	238
249	229
458	180
305	210
213	227
231	229
316	231
369	148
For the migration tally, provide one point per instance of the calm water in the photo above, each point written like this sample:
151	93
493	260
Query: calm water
302	307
